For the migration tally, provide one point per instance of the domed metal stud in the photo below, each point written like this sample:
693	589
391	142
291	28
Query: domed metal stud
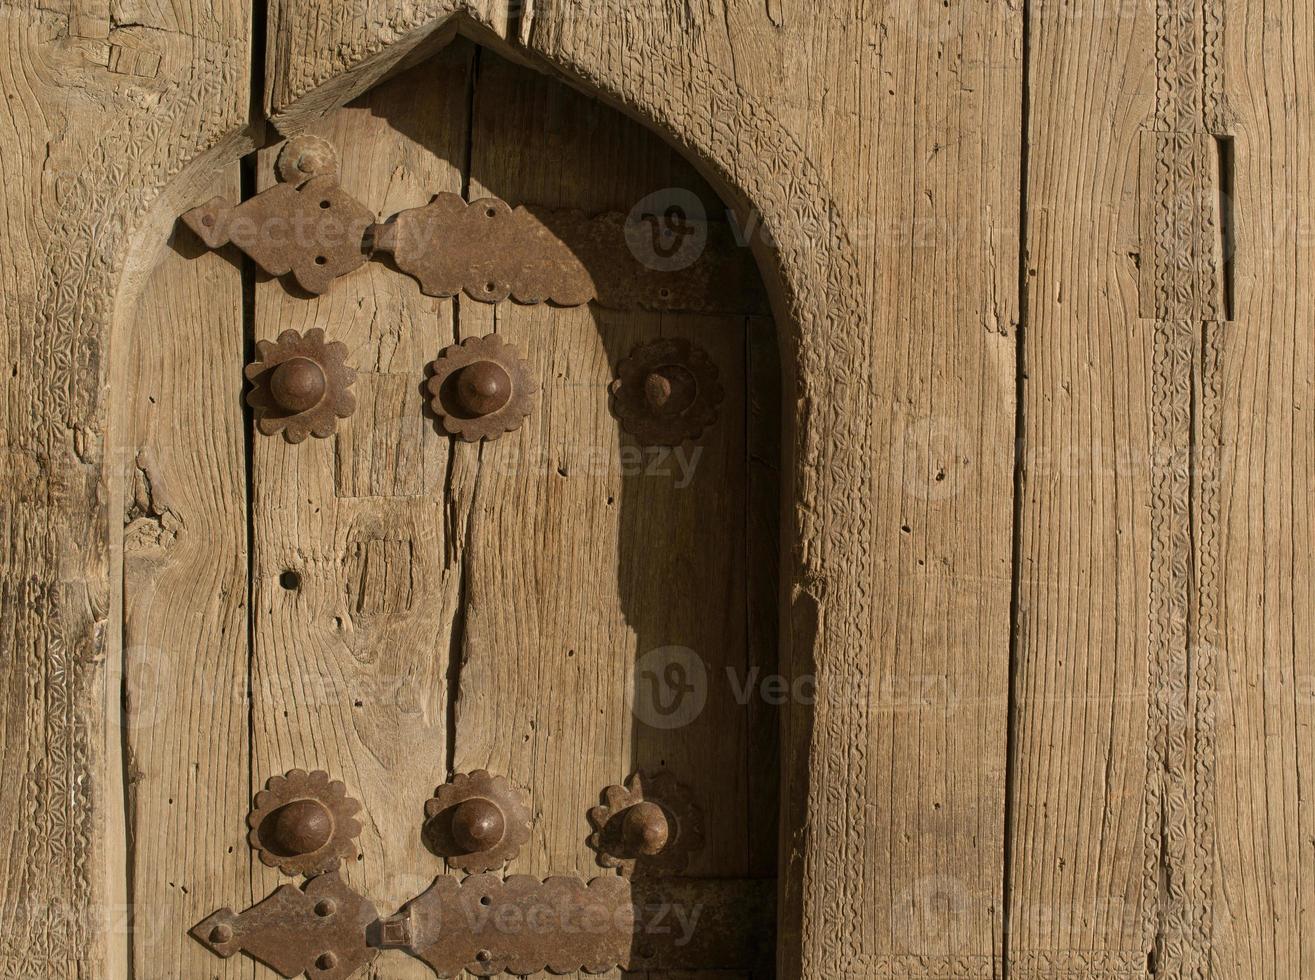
304	823
651	824
304	157
300	385
666	392
478	825
481	388
477	821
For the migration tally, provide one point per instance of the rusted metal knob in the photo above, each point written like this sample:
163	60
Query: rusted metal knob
645	829
297	385
478	825
304	157
651	825
477	821
670	389
298	828
303	823
483	387
300	385
666	392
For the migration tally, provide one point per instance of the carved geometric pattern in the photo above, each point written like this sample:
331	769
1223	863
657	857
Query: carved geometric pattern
1185	299
60	631
1181	269
1046	964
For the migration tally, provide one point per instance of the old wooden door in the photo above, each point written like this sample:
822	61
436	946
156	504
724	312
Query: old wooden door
1040	275
560	608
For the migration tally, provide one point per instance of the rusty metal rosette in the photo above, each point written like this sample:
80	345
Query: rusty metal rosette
477	821
651	823
666	392
481	388
303	823
304	157
300	385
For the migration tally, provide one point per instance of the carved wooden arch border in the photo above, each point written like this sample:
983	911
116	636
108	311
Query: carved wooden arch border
809	263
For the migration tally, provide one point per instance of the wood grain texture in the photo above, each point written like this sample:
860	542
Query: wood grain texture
185	628
356	580
99	117
1162	671
588	554
1079	900
1143	520
1256	385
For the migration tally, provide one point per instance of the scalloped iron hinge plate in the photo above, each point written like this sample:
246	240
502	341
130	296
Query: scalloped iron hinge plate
318	930
488	925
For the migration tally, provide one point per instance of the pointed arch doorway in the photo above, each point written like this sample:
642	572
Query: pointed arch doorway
396	608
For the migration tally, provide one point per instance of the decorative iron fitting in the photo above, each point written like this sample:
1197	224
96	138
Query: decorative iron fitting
487	925
304	157
491	252
655	258
300	385
477	821
666	392
484	249
651	824
481	388
304	823
318	930
314	230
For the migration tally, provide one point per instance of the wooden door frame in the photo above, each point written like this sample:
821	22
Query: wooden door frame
810	267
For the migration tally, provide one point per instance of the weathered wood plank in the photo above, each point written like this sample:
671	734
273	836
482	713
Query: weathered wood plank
185	627
1256	382
921	124
588	554
99	118
356	585
763	411
1080	897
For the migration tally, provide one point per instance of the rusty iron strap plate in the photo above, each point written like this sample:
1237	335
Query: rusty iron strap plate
314	231
319	931
491	252
521	925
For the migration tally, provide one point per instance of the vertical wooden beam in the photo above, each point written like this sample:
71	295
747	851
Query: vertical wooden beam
1256	385
185	628
1115	802
89	154
1083	842
918	138
589	556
